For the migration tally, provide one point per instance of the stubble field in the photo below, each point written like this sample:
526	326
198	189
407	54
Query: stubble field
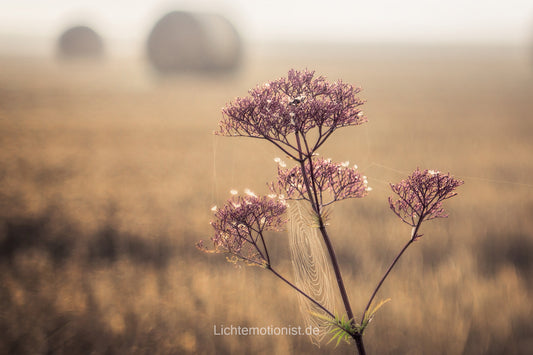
108	174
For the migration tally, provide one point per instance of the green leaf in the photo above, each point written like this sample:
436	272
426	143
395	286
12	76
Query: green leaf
369	315
339	340
341	328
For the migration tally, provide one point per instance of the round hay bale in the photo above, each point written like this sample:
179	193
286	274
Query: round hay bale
182	41
176	43
80	42
224	49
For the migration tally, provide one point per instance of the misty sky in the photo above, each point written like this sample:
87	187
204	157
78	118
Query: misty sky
509	21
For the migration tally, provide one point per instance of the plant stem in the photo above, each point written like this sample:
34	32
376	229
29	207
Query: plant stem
358	337
413	238
301	292
315	203
336	269
310	185
265	247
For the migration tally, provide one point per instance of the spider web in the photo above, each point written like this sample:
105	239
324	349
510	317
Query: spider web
312	273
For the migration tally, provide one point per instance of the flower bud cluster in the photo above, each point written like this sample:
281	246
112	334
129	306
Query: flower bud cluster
297	103
421	196
240	224
333	181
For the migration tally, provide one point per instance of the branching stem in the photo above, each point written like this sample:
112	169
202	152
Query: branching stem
311	187
413	238
329	313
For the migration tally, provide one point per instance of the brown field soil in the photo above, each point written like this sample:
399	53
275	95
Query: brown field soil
108	174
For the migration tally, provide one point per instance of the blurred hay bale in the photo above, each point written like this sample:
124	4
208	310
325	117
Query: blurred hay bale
224	48
80	42
183	41
176	43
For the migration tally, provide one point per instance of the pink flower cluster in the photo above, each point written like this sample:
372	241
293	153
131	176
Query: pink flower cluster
239	227
421	196
297	103
332	181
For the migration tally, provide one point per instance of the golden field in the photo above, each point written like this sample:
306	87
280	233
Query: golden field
108	174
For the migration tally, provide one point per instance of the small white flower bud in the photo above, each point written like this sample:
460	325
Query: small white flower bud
249	193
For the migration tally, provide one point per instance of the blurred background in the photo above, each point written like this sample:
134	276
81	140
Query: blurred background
109	169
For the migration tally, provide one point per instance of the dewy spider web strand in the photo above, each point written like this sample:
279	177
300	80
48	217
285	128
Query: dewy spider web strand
312	273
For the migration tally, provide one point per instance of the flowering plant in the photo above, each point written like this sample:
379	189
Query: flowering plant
298	114
240	225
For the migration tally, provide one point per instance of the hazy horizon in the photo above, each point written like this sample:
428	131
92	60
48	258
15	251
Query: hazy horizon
453	21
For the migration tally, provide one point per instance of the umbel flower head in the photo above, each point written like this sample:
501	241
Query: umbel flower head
239	227
293	105
421	196
334	181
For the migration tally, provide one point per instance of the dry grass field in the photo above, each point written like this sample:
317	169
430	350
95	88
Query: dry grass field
108	174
